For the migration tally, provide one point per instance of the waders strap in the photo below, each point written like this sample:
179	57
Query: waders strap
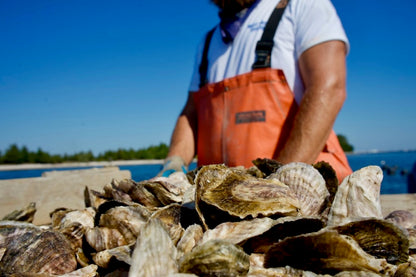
203	67
265	45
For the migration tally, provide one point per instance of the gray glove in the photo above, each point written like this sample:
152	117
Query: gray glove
173	164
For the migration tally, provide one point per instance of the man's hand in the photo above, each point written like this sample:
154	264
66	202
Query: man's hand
173	164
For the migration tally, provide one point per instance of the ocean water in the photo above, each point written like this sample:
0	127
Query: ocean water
396	168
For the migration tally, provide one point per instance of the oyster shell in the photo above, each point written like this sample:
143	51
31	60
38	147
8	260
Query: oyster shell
215	258
170	216
236	232
170	189
154	253
380	238
191	237
282	228
307	184
93	198
26	214
102	238
115	255
331	180
411	235
128	220
406	269
324	252
358	196
111	191
241	195
31	249
405	219
138	193
73	224
267	166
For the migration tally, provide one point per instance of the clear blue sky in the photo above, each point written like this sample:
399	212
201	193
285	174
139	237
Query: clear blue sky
80	75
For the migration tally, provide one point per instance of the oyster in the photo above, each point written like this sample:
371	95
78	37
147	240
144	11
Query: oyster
191	237
73	224
28	248
241	195
331	180
93	198
406	269
267	166
307	184
411	235
324	252
215	258
111	191
170	216
128	220
358	196
380	238
405	219
237	232
102	238
27	214
117	255
170	189
282	228
137	192
154	253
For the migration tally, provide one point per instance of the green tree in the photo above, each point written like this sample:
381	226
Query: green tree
12	155
346	146
42	157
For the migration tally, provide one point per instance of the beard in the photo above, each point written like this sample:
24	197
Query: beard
231	7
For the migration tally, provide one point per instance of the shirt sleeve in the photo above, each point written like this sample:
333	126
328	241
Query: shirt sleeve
316	21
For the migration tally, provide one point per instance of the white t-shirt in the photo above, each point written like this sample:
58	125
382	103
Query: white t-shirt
304	24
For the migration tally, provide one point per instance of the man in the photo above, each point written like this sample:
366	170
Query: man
277	98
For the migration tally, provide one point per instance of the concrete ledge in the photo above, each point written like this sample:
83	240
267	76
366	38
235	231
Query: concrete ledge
54	189
393	202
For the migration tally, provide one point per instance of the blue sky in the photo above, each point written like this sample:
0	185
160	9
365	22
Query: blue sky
102	75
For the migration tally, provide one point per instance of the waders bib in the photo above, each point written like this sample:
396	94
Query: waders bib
250	115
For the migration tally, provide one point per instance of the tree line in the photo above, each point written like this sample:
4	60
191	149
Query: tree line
18	155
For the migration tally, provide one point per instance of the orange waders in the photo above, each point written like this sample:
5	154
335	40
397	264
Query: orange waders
249	116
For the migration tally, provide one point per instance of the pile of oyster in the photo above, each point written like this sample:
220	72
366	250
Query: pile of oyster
269	220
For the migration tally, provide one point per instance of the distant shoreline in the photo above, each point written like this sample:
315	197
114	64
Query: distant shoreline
8	167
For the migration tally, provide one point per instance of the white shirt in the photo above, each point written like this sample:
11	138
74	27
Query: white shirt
304	24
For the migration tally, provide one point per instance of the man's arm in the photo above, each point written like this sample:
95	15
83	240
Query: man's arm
323	72
183	140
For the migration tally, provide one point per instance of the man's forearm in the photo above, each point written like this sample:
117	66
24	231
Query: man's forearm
312	126
183	140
